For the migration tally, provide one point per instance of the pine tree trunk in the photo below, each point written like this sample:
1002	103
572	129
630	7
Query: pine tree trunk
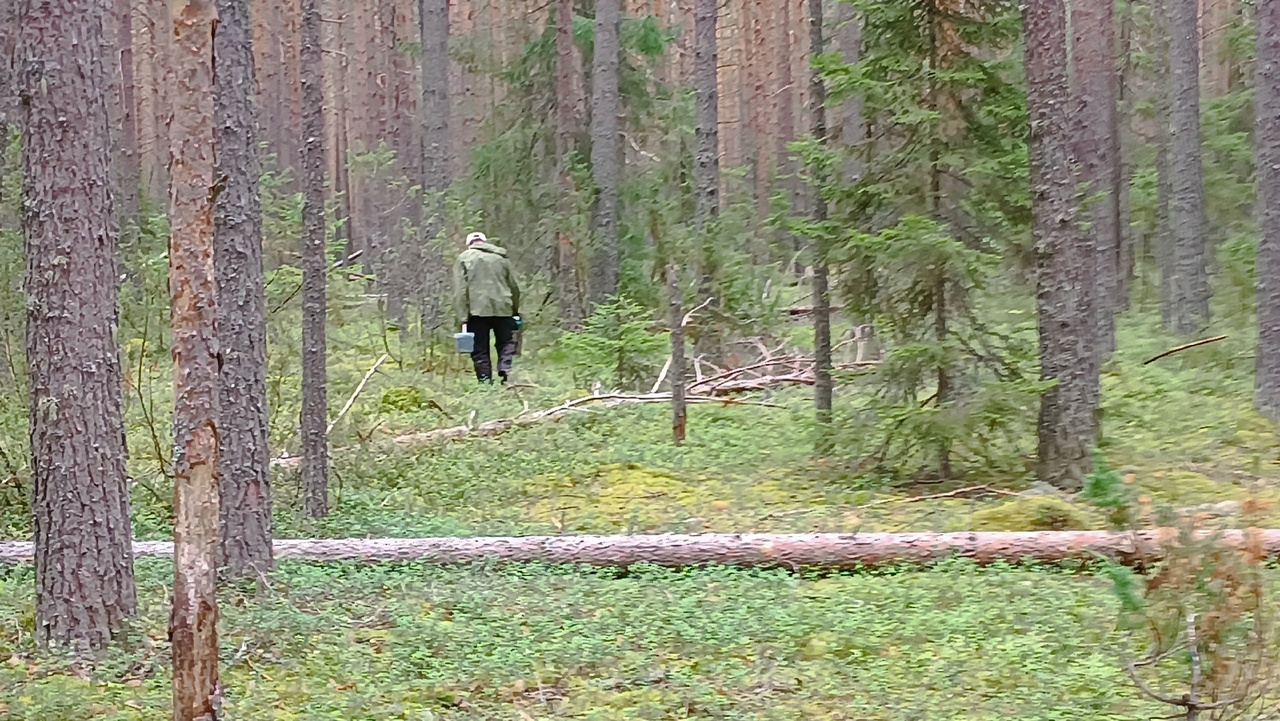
675	316
1064	258
315	443
566	118
1163	247
1188	223
1097	150
127	153
245	524
193	624
823	386
852	125
80	499
605	151
706	171
1124	201
437	152
1267	147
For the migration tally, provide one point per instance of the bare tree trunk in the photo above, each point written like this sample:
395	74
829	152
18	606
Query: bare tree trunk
567	104
80	498
1097	150
706	171
127	155
823	387
852	125
675	315
1267	147
437	151
605	151
1164	245
1065	275
245	518
193	624
1188	222
315	442
1124	204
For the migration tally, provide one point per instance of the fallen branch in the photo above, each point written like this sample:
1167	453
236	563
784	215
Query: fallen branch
938	496
798	550
352	400
1187	346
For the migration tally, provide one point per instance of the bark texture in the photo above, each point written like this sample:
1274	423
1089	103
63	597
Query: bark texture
245	516
1188	224
606	151
128	169
315	441
1097	150
823	388
568	99
1064	259
782	550
1267	147
80	498
433	20
706	170
193	623
675	316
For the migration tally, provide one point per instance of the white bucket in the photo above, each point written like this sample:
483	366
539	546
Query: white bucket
466	342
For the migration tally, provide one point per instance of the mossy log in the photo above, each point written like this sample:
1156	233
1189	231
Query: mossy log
800	550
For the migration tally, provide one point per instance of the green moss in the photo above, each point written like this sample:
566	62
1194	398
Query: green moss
1035	513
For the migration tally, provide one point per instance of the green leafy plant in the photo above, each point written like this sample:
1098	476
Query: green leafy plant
615	346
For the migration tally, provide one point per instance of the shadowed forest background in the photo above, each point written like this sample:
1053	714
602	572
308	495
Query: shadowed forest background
789	266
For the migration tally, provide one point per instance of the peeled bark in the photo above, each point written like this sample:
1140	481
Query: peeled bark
605	151
1188	223
1098	150
245	517
80	498
1065	282
193	624
823	387
315	441
850	551
1267	149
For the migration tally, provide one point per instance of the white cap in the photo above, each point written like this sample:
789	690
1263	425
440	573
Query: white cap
476	238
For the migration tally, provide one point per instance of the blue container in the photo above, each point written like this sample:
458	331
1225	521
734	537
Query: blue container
466	342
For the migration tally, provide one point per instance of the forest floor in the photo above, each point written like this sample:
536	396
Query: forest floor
355	642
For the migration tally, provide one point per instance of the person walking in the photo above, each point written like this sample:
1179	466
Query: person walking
487	300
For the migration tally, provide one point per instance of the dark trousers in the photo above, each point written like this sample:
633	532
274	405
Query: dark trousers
503	329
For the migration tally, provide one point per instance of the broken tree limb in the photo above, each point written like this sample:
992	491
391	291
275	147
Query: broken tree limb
794	550
356	394
1186	346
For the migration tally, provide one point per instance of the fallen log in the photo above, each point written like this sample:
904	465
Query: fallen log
798	550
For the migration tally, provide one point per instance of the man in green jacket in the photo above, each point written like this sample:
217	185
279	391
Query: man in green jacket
487	300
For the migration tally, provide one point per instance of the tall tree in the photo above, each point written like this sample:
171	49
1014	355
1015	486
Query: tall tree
193	624
1267	149
1188	223
675	315
315	441
605	150
706	169
823	386
1065	282
433	19
568	105
80	498
245	523
1097	148
130	176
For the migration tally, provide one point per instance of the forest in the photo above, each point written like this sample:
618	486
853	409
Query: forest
870	359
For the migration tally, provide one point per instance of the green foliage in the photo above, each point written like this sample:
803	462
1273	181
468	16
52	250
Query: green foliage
1107	490
616	346
346	641
951	384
